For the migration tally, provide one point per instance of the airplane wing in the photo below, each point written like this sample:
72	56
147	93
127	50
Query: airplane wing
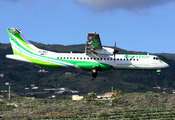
93	43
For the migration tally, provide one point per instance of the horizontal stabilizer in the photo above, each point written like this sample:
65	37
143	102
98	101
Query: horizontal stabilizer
16	57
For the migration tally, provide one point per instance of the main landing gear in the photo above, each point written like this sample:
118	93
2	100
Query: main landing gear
95	71
158	72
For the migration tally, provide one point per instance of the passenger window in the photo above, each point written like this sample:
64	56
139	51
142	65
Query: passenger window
117	58
120	59
111	58
84	58
104	58
124	59
97	58
60	57
70	57
94	58
130	59
77	58
87	58
107	58
91	58
101	58
133	59
81	58
67	57
74	57
137	59
57	57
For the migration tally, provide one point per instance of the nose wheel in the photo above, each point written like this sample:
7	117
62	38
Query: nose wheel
95	71
158	72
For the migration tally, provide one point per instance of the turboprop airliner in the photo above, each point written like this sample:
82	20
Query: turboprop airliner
95	59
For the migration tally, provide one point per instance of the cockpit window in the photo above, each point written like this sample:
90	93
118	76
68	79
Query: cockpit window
156	58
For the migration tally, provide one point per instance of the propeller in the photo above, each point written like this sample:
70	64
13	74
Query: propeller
115	50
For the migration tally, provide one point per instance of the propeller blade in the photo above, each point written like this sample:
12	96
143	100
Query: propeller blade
115	50
114	57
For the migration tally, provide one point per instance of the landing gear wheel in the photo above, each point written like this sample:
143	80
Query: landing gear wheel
159	73
94	75
95	71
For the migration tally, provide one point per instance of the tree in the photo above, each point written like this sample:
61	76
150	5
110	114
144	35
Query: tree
118	93
92	95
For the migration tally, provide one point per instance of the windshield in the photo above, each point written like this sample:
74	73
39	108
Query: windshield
156	58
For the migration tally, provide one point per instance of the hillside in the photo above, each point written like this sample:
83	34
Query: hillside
130	106
23	74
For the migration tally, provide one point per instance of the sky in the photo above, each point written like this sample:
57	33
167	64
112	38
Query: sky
137	25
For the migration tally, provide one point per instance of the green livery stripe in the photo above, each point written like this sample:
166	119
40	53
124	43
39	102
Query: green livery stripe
85	65
162	61
13	39
23	48
39	62
29	52
19	38
22	41
88	65
16	52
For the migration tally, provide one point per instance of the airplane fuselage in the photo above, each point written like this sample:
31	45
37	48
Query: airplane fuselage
106	62
85	62
96	59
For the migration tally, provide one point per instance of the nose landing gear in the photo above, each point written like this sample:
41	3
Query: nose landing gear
158	72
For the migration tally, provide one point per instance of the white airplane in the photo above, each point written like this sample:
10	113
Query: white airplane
95	59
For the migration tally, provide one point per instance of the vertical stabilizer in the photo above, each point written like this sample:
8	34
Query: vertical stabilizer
19	43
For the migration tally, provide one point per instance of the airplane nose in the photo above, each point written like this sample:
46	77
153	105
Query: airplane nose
167	65
164	64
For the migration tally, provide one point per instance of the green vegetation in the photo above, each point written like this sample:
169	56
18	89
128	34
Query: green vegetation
103	115
92	96
5	108
118	92
152	107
